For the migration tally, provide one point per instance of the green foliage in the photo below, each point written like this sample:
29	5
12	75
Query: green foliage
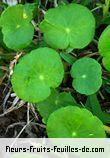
74	122
53	102
86	73
36	73
16	26
63	28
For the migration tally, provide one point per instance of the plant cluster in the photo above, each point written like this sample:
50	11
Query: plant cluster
38	76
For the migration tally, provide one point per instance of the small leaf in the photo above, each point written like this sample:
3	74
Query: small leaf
16	26
53	102
74	122
36	73
86	73
63	28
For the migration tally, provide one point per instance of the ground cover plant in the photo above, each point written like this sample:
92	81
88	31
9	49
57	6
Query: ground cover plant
55	69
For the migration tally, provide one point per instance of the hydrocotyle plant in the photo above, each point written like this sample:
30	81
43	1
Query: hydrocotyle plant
16	26
55	101
87	76
40	71
72	122
36	74
66	26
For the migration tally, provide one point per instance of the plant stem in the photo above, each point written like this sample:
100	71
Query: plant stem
55	3
106	7
96	8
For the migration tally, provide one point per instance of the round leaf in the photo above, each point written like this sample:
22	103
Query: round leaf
16	26
104	42
63	28
87	76
36	73
53	102
74	122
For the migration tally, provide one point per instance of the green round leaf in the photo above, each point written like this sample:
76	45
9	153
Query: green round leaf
66	26
87	76
53	102
16	26
74	122
36	73
104	42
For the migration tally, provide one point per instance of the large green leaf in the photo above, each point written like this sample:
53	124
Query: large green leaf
36	73
74	122
86	73
16	26
53	102
66	26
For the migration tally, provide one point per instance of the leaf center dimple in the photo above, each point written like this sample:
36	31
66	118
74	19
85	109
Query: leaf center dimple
18	26
41	77
91	134
25	15
67	30
84	76
74	134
